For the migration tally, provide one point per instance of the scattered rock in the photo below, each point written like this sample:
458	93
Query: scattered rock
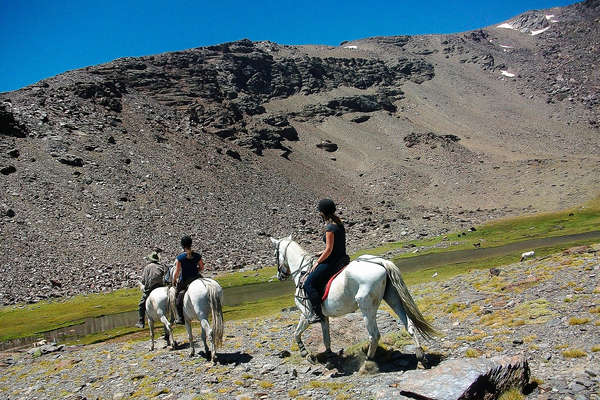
7	170
72	160
328	146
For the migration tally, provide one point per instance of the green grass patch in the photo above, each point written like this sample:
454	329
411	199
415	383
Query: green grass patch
110	334
261	308
500	232
32	319
242	278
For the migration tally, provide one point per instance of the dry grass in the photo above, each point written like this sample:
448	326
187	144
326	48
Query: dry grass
529	339
512	394
531	312
472	353
265	384
574	353
472	338
578	321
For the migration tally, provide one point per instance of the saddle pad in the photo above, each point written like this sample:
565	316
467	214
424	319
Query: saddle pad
329	283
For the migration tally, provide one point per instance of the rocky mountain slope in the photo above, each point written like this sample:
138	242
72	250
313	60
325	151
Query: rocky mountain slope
412	136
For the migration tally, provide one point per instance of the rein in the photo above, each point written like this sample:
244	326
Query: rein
299	295
288	273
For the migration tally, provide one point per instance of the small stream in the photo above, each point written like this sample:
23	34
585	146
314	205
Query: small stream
250	293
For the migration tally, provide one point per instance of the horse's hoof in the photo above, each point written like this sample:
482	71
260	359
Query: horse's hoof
368	368
420	354
365	349
303	353
311	359
191	355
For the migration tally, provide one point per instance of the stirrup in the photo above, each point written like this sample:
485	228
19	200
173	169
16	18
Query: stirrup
314	318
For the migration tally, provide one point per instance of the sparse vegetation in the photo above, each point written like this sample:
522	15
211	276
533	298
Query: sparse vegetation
472	353
512	394
265	384
574	353
472	338
578	321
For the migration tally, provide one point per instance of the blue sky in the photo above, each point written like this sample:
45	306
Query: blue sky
42	38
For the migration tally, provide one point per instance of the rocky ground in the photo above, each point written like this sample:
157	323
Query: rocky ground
546	311
411	136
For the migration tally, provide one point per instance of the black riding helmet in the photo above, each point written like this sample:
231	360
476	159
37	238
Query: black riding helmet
327	206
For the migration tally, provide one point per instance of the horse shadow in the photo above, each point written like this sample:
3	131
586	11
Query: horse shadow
384	361
236	358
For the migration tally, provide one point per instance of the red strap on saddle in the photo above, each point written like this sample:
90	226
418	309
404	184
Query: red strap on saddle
329	283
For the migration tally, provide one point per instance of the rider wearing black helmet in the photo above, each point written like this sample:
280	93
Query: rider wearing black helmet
330	261
189	266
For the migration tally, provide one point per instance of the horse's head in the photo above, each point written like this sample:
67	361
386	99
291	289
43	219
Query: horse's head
281	246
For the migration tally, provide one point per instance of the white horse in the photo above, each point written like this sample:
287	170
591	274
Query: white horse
158	308
203	297
361	285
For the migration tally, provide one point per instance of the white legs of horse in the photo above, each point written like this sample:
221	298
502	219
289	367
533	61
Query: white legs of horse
202	299
158	309
361	285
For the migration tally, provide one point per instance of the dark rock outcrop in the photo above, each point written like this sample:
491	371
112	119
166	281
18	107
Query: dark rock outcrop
464	379
429	138
9	126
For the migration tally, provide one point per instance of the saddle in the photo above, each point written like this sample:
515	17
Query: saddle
326	292
343	264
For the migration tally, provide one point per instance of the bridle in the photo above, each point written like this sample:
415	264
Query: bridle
286	273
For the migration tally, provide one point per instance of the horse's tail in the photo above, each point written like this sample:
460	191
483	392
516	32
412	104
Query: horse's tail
215	299
410	307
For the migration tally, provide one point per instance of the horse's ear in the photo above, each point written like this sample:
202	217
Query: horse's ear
289	237
275	241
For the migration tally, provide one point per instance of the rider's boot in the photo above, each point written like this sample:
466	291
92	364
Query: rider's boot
141	312
179	306
317	314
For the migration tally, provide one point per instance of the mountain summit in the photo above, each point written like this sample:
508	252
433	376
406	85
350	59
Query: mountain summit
411	135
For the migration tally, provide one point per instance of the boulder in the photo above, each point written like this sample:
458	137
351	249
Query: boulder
7	170
328	146
462	379
72	160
